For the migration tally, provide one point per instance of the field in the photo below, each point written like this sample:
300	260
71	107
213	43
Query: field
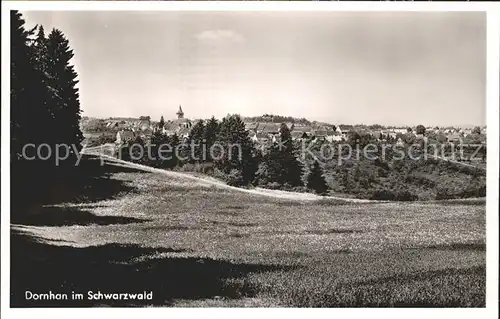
196	244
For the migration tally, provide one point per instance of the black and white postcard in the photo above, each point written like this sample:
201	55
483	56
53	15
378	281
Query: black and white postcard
248	158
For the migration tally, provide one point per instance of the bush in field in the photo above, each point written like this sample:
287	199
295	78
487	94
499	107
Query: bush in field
233	178
476	188
204	168
316	180
420	181
405	195
382	194
272	185
105	139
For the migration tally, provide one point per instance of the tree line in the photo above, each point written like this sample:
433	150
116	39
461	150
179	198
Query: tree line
44	102
45	106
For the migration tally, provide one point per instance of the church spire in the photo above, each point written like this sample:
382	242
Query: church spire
179	113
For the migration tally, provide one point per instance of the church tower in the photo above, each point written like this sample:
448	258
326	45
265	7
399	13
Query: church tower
180	114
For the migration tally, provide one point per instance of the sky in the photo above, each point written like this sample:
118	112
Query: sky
389	68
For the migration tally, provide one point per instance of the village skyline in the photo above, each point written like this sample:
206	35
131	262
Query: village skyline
267	128
310	119
170	115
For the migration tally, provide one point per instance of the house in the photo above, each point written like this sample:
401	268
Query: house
453	138
183	132
251	127
145	134
337	137
338	130
261	137
252	135
298	135
276	138
474	139
401	130
440	137
362	131
303	129
116	124
320	134
92	125
180	126
344	127
124	136
391	133
269	128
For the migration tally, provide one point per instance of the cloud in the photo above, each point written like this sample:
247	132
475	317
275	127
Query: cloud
220	36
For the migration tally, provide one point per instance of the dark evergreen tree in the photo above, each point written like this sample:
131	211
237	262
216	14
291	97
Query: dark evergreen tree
47	94
420	129
123	151
279	164
157	140
195	142
28	116
137	150
292	168
63	80
40	50
173	159
161	124
210	136
42	83
316	180
270	169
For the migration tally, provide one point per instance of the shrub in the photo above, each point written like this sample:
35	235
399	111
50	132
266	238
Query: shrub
405	195
272	185
444	193
233	178
382	194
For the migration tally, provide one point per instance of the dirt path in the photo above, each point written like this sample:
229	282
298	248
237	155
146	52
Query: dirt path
255	191
212	181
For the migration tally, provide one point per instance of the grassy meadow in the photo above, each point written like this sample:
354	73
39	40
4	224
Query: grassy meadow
195	244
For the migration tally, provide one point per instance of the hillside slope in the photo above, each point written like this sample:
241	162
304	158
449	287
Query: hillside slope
194	243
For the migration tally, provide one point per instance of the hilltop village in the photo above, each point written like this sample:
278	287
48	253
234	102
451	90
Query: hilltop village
265	128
